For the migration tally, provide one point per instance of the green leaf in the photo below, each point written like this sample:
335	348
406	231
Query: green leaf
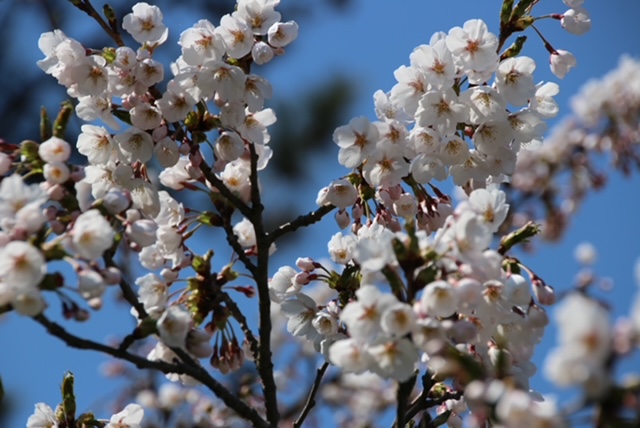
520	10
519	236
505	12
45	124
515	48
62	120
210	219
68	398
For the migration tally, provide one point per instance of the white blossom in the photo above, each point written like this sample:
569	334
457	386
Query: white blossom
173	326
91	235
43	417
129	417
145	25
22	265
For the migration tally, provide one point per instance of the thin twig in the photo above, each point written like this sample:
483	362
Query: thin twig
301	221
224	190
232	239
244	324
189	367
311	400
126	289
87	7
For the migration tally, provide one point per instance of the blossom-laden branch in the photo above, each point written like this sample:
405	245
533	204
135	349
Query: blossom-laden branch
188	367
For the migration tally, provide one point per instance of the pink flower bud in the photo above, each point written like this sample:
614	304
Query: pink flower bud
184	149
302	278
249	291
357	211
538	317
561	62
56	192
111	275
395	192
306	264
342	219
544	293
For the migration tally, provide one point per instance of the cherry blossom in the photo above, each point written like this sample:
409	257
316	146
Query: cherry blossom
561	62
91	235
129	417
145	25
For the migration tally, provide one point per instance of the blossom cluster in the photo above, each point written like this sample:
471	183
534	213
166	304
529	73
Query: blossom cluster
419	282
603	120
415	283
472	133
83	215
458	298
130	417
115	197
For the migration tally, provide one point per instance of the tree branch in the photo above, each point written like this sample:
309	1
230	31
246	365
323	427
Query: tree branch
87	7
127	292
232	239
311	401
224	190
420	402
301	221
261	276
188	367
244	325
402	397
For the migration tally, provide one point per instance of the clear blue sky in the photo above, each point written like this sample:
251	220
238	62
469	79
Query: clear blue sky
370	40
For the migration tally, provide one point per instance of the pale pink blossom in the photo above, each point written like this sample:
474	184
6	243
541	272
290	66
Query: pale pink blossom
130	417
145	25
91	235
173	326
281	34
561	62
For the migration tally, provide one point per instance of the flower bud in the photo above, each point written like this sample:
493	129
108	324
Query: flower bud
342	219
561	62
5	163
306	264
545	294
261	53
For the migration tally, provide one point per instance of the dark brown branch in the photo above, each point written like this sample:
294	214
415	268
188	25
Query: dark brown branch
261	276
302	221
189	367
224	190
127	292
232	239
87	7
402	398
311	400
244	324
420	402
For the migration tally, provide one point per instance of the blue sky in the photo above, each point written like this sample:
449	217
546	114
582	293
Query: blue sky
370	40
